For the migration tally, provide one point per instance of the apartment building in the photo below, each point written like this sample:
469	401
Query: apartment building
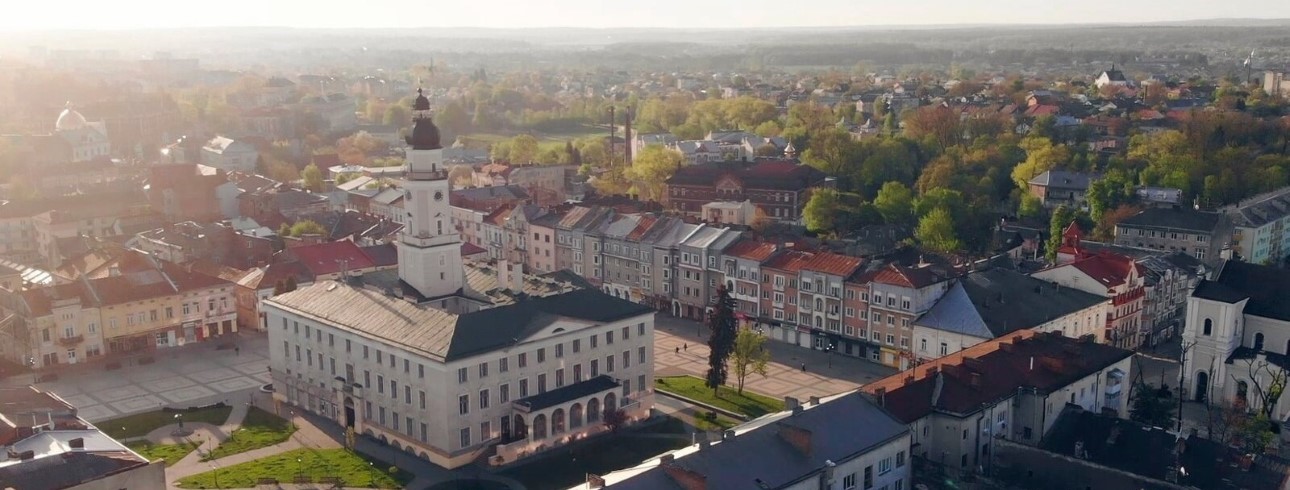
1261	227
895	298
1013	387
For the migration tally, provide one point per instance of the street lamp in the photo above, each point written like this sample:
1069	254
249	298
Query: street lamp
180	418
831	348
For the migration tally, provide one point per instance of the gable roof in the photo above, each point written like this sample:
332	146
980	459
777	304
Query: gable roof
910	277
447	336
834	264
773	451
967	381
331	257
1266	288
751	249
1061	179
999	301
1109	270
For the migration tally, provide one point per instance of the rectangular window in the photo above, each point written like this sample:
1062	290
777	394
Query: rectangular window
594	340
640	354
849	482
609	364
504	393
900	459
542	383
609	338
524	387
559	377
559	350
868	477
627	359
483	399
523	360
884	466
577	345
483	369
465	437
422	394
541	355
504	364
462	375
627	332
463	404
595	367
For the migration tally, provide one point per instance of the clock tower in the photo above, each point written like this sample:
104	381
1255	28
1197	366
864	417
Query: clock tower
429	247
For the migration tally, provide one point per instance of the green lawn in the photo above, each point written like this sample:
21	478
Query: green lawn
352	468
141	424
172	453
751	404
568	467
259	429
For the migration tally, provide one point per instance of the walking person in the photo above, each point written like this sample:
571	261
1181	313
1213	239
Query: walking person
803	367
686	347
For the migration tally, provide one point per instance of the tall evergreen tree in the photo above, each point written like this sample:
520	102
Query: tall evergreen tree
721	342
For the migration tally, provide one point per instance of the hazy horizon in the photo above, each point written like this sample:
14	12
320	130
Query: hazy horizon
703	14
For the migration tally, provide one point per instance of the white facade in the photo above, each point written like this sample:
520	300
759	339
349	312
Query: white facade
931	343
429	247
449	412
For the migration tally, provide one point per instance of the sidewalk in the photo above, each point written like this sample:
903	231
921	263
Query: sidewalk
679	350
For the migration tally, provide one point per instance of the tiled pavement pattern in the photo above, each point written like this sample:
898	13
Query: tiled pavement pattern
180	377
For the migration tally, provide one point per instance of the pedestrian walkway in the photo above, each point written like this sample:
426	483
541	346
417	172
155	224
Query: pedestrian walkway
679	349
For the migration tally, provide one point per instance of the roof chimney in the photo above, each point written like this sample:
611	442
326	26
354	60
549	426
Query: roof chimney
686	479
797	437
77	443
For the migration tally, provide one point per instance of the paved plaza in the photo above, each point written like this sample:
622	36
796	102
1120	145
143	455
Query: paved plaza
180	377
825	374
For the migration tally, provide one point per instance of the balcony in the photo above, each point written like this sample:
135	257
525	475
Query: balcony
70	341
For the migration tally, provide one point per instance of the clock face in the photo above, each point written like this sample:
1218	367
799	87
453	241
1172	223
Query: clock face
438	195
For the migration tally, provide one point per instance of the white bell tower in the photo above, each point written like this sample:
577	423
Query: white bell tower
429	247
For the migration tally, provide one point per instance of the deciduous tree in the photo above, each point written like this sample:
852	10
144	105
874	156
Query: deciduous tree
313	178
821	211
936	232
750	356
651	168
896	203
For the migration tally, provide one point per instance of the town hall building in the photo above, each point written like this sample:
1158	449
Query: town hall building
455	362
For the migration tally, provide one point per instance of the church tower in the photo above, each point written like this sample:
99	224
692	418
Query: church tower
429	247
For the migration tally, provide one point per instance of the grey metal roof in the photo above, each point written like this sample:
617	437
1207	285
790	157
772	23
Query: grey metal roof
1174	219
839	429
442	335
1001	301
1262	209
1061	179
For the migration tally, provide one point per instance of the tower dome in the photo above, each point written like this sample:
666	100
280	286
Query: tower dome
69	119
425	135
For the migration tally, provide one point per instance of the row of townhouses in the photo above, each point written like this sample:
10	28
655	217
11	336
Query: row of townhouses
889	311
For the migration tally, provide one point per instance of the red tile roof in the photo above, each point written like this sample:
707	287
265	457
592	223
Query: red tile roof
905	276
642	226
832	263
330	258
750	249
790	260
1106	268
991	371
468	249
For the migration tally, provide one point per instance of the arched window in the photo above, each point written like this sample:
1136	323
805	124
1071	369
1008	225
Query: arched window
819	304
1258	341
1209	326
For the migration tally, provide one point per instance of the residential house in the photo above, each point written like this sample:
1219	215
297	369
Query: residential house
541	254
1114	276
1011	388
730	212
779	274
1061	187
844	441
995	302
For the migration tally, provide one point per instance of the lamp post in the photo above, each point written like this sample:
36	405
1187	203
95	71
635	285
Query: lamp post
180	418
832	347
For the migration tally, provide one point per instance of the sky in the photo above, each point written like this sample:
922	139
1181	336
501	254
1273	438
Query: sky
130	14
